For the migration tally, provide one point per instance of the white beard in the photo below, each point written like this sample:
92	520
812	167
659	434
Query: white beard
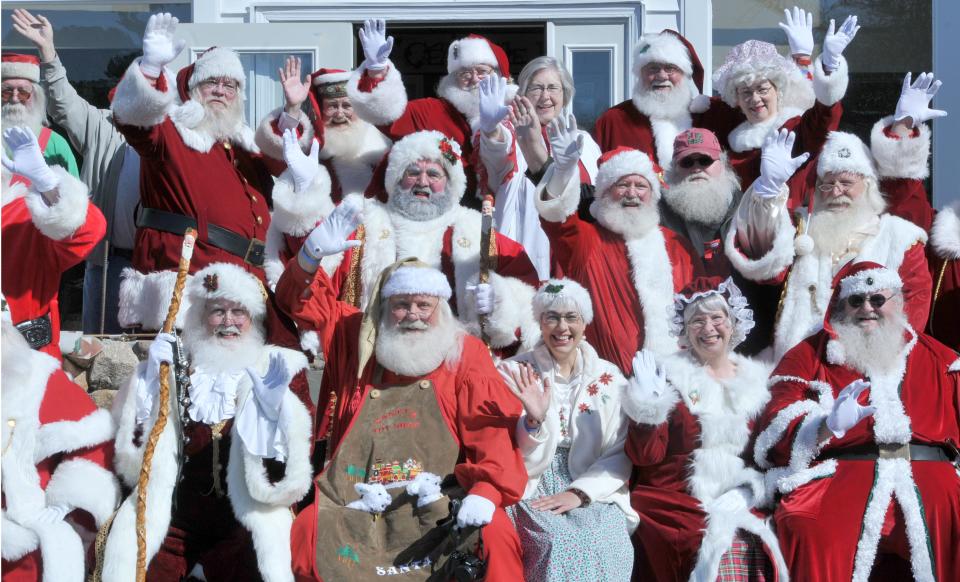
222	124
32	115
629	222
705	202
345	141
831	230
671	105
467	101
873	353
404	203
419	353
214	355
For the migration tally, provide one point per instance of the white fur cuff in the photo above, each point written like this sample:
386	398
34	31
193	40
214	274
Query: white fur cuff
271	143
653	412
945	234
297	213
512	311
138	103
906	157
564	204
60	220
85	485
831	88
385	103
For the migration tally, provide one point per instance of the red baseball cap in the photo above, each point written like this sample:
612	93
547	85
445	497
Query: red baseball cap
696	141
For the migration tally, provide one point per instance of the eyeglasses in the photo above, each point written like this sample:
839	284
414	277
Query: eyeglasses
830	186
655	68
691	161
552	319
698	323
624	186
478	72
538	90
747	92
876	301
22	93
229	87
221	315
434	176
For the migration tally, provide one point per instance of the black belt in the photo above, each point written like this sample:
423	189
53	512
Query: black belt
122	253
250	250
38	332
911	452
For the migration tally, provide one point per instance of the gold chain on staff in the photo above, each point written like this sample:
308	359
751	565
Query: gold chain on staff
351	293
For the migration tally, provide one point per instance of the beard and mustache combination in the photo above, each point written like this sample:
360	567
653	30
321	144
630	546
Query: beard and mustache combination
406	203
876	351
220	123
703	201
466	101
415	348
631	222
831	230
668	105
211	352
31	114
344	140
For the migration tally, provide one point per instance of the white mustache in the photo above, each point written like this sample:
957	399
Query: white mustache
226	329
417	325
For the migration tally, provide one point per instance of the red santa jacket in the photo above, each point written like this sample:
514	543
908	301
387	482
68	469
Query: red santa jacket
944	257
57	451
39	243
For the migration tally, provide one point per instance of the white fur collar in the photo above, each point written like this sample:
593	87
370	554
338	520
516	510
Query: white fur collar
653	281
743	396
665	131
945	234
750	136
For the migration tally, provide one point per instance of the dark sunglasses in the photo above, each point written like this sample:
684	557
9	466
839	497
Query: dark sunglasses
689	161
876	301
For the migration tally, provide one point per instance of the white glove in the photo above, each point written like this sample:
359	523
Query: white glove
159	47
303	167
48	515
915	99
493	109
161	350
733	501
799	29
649	380
269	389
28	159
330	237
777	163
475	511
834	43
485	297
847	412
566	145
376	45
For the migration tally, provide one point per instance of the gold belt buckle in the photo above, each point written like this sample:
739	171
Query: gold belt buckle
895	451
253	242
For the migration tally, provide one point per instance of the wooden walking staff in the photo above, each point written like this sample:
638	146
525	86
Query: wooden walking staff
186	252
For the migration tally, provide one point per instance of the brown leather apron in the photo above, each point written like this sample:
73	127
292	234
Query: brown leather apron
398	433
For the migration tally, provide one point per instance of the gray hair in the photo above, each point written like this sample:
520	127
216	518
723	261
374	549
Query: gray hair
707	304
540	63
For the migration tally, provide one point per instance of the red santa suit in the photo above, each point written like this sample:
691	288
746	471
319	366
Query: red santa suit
631	282
57	450
490	464
837	512
944	257
40	243
805	272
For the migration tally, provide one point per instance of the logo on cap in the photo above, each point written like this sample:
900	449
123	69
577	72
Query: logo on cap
844	153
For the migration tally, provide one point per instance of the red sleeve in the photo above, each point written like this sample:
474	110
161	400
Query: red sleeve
149	142
647	445
571	241
487	415
73	404
73	249
794	365
721	119
686	262
907	198
917	286
815	124
512	261
602	131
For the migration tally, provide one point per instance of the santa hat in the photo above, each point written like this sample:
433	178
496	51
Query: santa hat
702	287
228	282
477	50
845	152
213	63
17	66
624	161
329	83
426	145
560	291
856	278
668	47
417	279
755	60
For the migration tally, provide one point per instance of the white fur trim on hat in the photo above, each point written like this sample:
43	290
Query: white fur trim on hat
30	72
869	281
468	52
754	61
661	47
844	152
558	289
215	63
230	282
329	78
624	164
417	281
425	145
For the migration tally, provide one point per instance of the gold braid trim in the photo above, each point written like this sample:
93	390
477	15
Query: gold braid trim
100	548
216	431
352	292
936	290
331	414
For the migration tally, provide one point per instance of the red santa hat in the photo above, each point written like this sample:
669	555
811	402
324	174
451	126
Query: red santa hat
856	278
563	292
329	82
228	282
672	48
845	152
214	63
416	279
18	66
477	50
753	61
426	145
624	161
702	287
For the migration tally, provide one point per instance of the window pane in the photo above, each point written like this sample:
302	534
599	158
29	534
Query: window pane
264	92
592	77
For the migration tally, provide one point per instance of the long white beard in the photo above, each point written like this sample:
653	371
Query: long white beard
467	101
213	354
670	105
875	352
346	140
629	222
831	230
222	124
419	353
31	115
404	203
702	201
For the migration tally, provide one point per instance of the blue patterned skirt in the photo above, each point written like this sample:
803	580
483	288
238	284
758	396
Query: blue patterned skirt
590	544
